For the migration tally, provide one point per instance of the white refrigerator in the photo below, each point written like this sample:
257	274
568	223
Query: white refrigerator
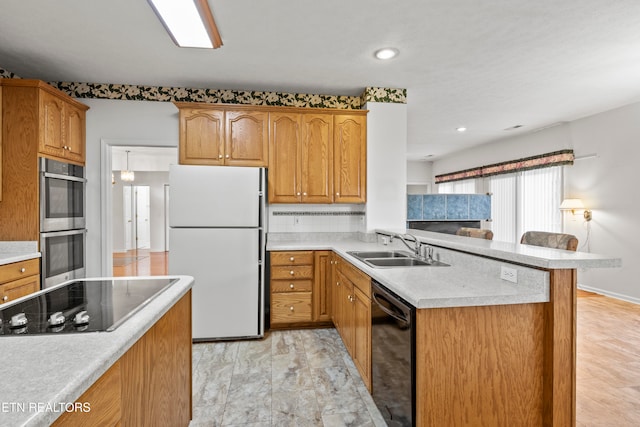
217	235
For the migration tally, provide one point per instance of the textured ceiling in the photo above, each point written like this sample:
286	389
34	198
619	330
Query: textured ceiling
487	65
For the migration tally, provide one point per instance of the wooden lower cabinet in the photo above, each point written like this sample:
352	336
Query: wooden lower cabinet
98	406
352	314
299	291
19	279
150	385
291	288
322	278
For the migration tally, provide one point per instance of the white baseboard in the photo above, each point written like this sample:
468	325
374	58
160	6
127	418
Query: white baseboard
609	294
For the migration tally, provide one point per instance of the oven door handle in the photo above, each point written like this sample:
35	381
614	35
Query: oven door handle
64	177
378	297
64	233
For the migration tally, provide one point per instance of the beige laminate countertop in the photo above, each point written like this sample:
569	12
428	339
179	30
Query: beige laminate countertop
473	277
11	252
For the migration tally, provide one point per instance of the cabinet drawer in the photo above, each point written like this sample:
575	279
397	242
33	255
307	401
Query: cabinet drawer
292	272
18	270
291	307
292	258
18	288
290	286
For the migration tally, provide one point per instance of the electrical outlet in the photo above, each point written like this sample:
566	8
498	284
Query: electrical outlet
509	274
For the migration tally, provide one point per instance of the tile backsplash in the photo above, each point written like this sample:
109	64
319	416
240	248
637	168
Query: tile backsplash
301	218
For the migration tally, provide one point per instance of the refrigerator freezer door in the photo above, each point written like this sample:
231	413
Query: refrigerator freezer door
227	293
210	196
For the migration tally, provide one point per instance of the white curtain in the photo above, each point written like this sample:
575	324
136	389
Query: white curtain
541	195
526	201
504	207
465	186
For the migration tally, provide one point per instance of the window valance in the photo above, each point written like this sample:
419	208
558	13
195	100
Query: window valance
556	158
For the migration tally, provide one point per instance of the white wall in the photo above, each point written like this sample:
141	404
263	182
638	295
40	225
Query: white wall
386	166
121	123
419	172
544	141
606	183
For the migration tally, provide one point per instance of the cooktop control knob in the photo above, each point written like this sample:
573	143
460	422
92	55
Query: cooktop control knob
56	319
82	318
18	321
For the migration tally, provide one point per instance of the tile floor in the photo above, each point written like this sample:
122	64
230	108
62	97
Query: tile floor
290	378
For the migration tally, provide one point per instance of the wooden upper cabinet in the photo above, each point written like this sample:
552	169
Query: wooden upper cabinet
62	128
284	158
350	158
0	143
201	137
75	132
212	134
300	158
246	138
51	125
317	158
313	155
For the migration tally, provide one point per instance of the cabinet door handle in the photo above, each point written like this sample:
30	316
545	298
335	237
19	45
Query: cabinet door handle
219	156
291	272
304	194
297	194
291	285
226	157
22	270
4	298
337	194
291	259
291	308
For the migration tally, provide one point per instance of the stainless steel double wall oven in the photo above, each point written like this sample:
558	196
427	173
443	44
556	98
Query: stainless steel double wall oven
62	221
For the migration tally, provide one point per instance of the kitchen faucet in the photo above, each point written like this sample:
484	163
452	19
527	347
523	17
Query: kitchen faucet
416	249
421	250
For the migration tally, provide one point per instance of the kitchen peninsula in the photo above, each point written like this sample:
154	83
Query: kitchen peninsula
137	374
488	351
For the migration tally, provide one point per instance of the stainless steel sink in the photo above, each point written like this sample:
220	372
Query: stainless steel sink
403	262
379	254
386	259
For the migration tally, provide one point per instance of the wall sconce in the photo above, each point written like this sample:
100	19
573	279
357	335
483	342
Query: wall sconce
574	205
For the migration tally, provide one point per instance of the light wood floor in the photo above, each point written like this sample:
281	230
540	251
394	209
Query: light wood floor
608	350
140	262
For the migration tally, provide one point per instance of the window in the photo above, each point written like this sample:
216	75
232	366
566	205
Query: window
526	201
465	186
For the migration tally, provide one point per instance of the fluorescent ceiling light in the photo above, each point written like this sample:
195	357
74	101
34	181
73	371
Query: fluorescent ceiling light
188	22
461	129
386	53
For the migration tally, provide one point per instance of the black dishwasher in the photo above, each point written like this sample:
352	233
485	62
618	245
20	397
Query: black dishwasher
393	353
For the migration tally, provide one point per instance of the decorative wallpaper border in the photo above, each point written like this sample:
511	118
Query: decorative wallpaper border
555	158
223	96
382	94
316	213
5	74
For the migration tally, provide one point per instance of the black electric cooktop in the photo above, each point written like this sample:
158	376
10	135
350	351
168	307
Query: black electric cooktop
80	306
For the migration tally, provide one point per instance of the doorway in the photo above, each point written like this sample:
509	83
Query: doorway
135	227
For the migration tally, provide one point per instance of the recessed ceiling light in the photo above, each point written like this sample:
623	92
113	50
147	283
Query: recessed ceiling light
188	22
387	53
461	129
